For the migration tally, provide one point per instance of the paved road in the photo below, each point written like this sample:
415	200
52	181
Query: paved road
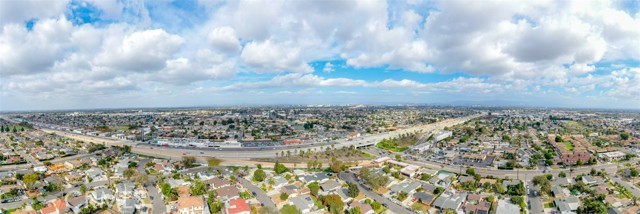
260	195
391	206
634	190
535	203
158	204
29	158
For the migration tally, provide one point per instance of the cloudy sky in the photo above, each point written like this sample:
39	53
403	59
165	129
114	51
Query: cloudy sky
61	54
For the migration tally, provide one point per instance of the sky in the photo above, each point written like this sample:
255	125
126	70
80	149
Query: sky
75	54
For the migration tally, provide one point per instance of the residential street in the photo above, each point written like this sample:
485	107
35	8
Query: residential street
260	195
393	207
634	190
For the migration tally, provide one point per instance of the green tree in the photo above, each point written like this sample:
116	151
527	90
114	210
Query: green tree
289	209
559	139
471	171
314	187
336	166
37	205
259	175
353	190
279	168
83	188
130	172
624	136
141	178
214	161
30	179
562	174
334	203
198	188
355	210
284	196
188	161
169	193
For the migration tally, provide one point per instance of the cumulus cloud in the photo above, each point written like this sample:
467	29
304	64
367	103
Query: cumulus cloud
269	56
140	51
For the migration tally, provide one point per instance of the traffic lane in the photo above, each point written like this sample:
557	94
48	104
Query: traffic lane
260	195
391	206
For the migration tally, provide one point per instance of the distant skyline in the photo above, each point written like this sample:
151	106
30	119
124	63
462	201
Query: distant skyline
73	54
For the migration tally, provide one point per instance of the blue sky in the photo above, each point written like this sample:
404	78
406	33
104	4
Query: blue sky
113	53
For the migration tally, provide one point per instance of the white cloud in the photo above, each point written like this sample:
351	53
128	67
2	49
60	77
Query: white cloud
269	57
140	51
18	11
328	67
23	51
225	40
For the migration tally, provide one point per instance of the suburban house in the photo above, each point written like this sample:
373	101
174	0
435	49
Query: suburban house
237	206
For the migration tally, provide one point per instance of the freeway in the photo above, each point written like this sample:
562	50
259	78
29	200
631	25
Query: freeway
259	152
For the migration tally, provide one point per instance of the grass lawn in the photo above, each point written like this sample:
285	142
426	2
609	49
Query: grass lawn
569	145
391	147
548	205
419	206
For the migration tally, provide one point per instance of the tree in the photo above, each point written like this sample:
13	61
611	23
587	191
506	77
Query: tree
336	166
127	149
284	196
214	161
132	165
562	174
624	136
188	161
169	193
355	210
289	209
471	171
334	203
37	205
30	179
198	188
559	139
353	190
128	173
374	180
314	187
141	179
259	175
543	182
83	188
279	168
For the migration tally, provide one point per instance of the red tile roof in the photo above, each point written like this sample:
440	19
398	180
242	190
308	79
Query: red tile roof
238	206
